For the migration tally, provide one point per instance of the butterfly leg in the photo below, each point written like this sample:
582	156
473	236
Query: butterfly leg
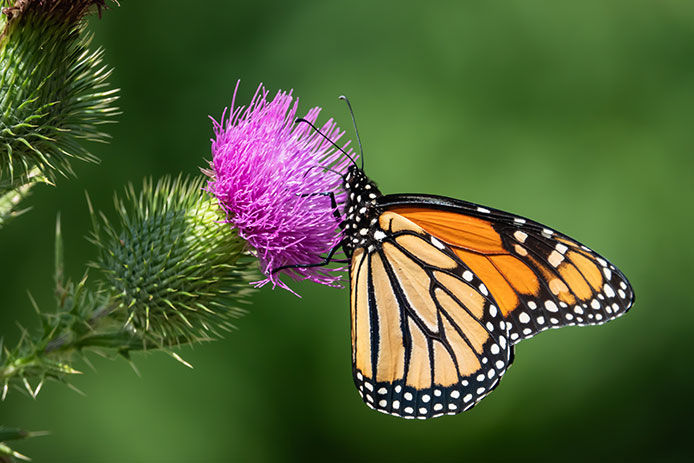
333	202
328	260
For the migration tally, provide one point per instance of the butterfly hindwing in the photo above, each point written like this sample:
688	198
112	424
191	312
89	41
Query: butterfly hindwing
540	278
427	336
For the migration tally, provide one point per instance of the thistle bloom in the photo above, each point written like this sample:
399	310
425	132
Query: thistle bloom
272	177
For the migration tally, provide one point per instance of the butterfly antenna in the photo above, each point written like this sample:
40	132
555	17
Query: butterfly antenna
301	119
354	123
322	167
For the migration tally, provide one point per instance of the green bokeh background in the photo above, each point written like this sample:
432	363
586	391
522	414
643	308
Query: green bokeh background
577	114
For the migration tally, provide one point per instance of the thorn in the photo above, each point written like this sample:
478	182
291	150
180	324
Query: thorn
178	357
58	255
28	387
33	303
20	456
25	334
86	360
38	388
134	367
74	388
67	369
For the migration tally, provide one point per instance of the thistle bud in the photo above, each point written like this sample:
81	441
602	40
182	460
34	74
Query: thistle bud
175	269
53	90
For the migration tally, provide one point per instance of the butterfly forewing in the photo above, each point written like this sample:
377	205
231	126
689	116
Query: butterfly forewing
540	278
427	336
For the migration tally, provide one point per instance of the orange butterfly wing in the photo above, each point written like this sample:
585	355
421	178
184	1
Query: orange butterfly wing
540	278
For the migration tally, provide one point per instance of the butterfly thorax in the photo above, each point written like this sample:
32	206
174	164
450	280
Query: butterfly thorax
360	212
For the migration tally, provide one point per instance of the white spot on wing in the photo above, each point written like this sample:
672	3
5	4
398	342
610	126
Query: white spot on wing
608	273
520	250
437	243
483	289
551	306
520	236
555	258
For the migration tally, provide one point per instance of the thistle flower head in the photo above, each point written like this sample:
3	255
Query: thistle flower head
273	177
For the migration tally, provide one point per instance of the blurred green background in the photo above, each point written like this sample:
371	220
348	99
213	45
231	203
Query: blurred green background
577	114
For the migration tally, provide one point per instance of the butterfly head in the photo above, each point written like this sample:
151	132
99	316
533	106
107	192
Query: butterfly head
361	212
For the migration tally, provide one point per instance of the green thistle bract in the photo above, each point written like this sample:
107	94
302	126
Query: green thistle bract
53	90
175	267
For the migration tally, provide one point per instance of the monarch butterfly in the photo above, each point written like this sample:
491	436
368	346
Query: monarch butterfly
442	290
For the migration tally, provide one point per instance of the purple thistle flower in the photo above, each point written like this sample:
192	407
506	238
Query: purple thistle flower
268	174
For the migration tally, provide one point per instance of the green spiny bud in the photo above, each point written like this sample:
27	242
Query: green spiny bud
53	90
176	269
